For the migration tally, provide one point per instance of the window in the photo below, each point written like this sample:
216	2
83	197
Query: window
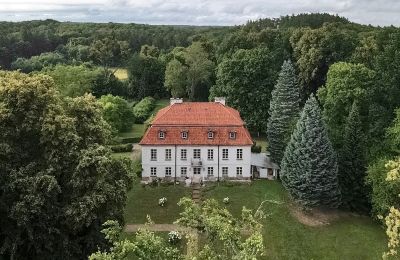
161	134
224	154
183	154
232	135
168	171
210	134
210	154
153	171
153	155
239	154
184	134
196	171
168	154
196	154
183	171
210	171
225	171
239	171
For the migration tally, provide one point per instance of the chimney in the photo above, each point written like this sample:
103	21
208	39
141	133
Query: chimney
220	100
175	101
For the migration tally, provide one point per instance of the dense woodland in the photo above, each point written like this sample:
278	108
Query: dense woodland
323	90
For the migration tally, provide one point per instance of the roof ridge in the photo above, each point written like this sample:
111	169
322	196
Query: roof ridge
229	109
164	110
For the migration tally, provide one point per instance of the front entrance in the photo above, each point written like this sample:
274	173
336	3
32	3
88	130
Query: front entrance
196	175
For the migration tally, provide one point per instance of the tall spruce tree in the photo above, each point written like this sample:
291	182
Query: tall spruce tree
283	111
309	166
352	164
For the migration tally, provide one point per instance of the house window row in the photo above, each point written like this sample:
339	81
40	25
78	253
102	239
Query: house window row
185	134
196	171
196	154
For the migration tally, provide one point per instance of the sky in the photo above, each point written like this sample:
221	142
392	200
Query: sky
195	12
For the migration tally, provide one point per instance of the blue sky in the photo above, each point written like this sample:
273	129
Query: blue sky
196	12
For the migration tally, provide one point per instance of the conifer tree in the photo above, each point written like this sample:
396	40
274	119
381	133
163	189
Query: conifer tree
352	164
283	111
309	169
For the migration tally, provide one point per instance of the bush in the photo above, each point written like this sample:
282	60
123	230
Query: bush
121	148
226	200
132	140
174	237
36	63
162	202
256	149
143	109
117	112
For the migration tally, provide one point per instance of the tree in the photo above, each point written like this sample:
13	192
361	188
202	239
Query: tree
104	85
117	112
58	182
353	164
37	63
309	168
176	78
143	109
246	80
283	111
347	83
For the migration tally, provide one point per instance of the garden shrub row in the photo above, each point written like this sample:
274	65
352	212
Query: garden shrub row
143	109
121	148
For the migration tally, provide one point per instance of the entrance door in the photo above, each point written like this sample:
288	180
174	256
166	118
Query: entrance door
196	171
196	175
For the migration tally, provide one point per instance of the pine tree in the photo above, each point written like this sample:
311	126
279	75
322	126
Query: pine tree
283	111
352	164
309	168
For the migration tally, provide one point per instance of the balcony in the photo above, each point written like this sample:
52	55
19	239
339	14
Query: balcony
196	163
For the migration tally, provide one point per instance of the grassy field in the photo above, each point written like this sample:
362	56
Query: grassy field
349	237
121	73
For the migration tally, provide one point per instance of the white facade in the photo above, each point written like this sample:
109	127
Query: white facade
212	164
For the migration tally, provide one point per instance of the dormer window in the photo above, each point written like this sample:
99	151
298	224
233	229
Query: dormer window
210	135
161	134
232	135
184	134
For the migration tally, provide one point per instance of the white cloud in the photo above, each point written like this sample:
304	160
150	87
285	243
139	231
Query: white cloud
199	12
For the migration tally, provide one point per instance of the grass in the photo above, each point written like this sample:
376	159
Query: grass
349	237
120	73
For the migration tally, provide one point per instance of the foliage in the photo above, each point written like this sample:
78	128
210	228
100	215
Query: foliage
246	80
176	78
72	81
174	237
105	84
309	169
143	109
283	111
353	164
108	52
37	63
162	201
117	112
58	180
121	148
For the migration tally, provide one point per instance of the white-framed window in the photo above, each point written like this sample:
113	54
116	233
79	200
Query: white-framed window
196	154
168	171
184	134
225	154
210	154
153	154
168	154
239	171
161	134
183	171
239	154
153	171
232	135
210	171
225	171
183	154
210	134
196	171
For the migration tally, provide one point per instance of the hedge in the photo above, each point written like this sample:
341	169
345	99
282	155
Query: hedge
121	148
143	109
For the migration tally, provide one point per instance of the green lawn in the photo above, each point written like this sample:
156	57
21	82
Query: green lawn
120	73
285	237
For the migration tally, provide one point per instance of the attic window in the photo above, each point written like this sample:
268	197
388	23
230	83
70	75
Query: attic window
232	135
210	134
184	134
161	134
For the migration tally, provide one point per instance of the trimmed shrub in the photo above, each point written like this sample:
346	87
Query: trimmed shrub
143	109
121	148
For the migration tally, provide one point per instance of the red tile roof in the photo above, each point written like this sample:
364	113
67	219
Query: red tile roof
197	118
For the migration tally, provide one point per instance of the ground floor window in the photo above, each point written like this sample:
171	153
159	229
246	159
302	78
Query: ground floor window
183	171
225	171
196	171
210	171
153	171
239	171
168	171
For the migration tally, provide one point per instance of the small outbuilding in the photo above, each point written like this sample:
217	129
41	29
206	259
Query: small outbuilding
262	167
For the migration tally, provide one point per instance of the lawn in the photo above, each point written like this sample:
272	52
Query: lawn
285	238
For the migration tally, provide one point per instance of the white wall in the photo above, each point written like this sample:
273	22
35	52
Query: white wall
161	163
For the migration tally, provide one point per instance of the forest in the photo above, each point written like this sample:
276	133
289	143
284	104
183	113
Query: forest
315	86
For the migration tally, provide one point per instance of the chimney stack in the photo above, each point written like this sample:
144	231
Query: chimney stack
220	100
175	101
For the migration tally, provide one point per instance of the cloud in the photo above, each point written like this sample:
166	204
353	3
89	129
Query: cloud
196	12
